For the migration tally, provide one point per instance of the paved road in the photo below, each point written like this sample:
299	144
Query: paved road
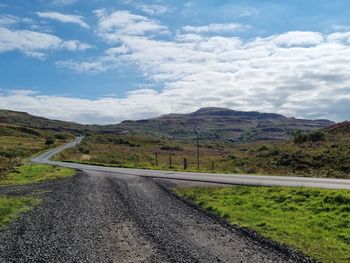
233	179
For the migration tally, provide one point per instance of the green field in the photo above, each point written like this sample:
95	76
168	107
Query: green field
35	173
314	221
329	158
12	207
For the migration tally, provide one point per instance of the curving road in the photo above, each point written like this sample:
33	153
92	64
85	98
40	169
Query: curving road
231	179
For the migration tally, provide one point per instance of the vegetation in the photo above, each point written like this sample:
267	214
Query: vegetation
314	221
18	143
323	154
12	207
35	173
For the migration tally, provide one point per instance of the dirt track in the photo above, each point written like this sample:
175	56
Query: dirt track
101	217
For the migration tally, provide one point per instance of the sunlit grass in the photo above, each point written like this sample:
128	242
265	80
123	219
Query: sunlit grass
35	173
314	221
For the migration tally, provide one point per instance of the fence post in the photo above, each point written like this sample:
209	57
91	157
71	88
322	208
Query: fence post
212	166
185	163
156	154
170	162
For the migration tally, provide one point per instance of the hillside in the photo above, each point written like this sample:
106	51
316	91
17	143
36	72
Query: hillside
220	124
20	142
27	120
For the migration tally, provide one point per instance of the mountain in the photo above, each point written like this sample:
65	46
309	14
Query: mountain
220	124
27	120
212	123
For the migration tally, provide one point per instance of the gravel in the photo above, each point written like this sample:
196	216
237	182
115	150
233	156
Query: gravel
102	217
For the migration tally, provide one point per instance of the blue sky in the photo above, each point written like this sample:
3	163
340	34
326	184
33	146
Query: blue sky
105	61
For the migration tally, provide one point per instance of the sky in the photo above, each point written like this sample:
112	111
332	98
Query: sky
105	61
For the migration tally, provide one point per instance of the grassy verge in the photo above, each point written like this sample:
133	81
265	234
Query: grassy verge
35	173
12	207
314	221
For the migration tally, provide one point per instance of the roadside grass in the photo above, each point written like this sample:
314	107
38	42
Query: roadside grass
12	207
314	221
35	173
327	159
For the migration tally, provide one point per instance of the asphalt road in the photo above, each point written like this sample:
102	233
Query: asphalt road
231	179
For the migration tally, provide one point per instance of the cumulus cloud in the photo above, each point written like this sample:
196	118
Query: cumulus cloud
114	26
64	18
154	9
35	44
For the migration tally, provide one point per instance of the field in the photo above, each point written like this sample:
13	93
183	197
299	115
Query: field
314	221
329	158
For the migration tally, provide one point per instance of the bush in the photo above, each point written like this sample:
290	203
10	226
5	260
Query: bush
50	141
300	137
61	136
316	136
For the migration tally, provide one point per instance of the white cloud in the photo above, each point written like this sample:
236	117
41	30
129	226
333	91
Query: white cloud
34	43
299	38
8	20
215	28
114	26
154	9
84	67
64	18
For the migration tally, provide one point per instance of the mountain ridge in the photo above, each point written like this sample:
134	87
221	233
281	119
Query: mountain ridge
214	123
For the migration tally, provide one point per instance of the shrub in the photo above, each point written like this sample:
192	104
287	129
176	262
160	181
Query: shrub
300	137
50	141
316	136
61	136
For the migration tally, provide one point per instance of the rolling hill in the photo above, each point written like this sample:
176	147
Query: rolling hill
213	124
220	124
27	120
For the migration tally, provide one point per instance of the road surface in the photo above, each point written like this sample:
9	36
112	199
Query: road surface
114	215
232	179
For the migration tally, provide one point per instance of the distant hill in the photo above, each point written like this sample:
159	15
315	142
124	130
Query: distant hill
27	120
213	124
221	124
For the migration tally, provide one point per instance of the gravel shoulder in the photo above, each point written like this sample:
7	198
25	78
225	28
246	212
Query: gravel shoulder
103	217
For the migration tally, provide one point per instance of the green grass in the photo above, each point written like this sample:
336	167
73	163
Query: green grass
12	207
314	221
35	173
